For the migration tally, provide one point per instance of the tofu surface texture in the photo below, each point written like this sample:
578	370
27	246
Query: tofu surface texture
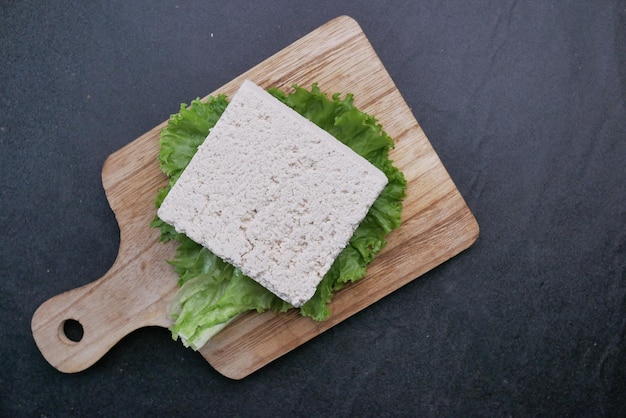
273	194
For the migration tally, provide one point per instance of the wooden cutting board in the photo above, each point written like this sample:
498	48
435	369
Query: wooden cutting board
437	224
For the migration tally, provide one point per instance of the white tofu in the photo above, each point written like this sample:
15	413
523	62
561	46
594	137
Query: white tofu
273	194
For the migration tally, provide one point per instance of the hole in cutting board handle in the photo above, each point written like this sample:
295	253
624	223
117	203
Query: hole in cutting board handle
71	330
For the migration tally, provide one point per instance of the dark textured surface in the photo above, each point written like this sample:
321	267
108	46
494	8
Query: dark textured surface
523	101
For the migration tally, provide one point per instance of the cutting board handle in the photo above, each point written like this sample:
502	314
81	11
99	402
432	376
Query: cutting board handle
75	329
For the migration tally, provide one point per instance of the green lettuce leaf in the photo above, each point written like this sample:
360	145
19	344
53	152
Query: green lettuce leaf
213	292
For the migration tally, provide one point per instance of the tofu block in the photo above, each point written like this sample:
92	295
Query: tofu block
273	194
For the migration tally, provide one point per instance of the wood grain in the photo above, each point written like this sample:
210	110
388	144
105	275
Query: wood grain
437	224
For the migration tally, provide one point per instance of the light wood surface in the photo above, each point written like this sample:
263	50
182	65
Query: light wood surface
437	224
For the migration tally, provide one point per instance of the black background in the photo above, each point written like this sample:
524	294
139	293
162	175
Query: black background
524	103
